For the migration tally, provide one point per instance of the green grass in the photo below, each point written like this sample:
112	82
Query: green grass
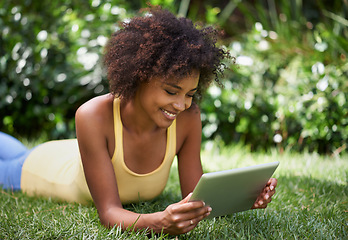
311	203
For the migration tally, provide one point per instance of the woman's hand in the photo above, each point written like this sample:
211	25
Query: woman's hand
183	216
265	196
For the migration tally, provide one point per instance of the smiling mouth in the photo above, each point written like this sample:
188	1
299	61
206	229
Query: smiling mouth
169	114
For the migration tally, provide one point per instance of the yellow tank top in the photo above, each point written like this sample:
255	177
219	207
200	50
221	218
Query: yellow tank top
54	169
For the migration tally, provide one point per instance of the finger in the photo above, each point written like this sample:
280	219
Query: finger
265	190
273	183
195	208
262	200
268	186
192	208
206	214
189	224
186	199
266	196
269	181
270	193
198	214
261	204
265	199
192	223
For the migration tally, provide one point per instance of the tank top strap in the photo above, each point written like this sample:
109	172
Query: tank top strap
118	131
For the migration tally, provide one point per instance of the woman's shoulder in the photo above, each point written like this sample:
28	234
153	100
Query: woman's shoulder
188	131
98	111
97	105
189	121
191	115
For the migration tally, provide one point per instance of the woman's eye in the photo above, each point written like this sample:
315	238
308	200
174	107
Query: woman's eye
191	94
170	93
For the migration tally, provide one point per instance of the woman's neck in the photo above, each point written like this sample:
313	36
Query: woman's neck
135	120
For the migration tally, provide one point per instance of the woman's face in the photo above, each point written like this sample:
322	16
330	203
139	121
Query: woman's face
161	101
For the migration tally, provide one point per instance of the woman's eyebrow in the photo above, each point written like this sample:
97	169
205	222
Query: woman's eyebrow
178	87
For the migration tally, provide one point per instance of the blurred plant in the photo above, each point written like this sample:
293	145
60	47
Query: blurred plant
290	85
50	62
288	89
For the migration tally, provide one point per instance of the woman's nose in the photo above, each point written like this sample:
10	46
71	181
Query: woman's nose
182	104
179	106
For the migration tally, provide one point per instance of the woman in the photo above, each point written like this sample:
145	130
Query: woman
157	64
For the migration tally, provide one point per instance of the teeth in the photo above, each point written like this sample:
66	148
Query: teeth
168	113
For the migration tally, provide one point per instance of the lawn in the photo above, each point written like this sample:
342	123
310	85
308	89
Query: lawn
311	203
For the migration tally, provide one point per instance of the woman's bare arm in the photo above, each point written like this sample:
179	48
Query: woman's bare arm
91	119
189	161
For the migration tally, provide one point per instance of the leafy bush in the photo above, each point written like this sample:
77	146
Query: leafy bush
289	86
50	53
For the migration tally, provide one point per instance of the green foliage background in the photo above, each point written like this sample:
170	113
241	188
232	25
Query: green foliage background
288	88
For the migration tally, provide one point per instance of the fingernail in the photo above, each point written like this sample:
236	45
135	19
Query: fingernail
210	209
266	196
271	187
203	203
260	202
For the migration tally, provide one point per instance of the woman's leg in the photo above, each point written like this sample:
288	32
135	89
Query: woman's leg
12	156
10	147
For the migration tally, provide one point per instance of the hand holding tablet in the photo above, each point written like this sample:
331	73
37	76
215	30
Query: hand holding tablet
265	196
235	190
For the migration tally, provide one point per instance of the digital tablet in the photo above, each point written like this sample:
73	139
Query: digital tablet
234	190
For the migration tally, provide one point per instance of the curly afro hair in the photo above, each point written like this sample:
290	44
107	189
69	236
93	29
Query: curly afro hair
160	44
